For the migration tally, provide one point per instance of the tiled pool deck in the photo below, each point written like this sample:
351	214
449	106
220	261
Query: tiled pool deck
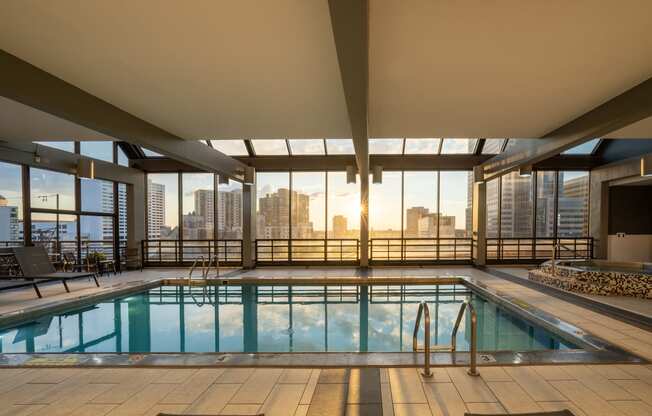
585	389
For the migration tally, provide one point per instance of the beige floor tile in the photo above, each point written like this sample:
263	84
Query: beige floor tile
188	391
494	374
439	375
302	410
472	389
444	400
406	386
214	399
165	408
70	401
538	388
604	388
56	375
21	410
513	397
485	408
239	409
553	406
295	376
584	398
641	372
176	376
283	400
256	389
633	408
637	388
411	409
25	394
140	402
92	410
121	392
384	375
310	387
612	372
552	372
11	380
386	397
235	375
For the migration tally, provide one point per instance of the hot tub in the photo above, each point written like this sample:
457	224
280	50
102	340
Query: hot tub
597	277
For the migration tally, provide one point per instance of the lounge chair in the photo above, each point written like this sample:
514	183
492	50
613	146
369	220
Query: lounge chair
36	268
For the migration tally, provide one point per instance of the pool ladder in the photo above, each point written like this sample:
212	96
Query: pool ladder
205	267
423	310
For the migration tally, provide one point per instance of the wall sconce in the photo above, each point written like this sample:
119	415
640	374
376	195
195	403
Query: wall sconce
86	169
377	174
249	175
525	170
350	174
646	165
222	180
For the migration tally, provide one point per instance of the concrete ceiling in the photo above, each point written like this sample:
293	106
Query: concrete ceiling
259	69
638	130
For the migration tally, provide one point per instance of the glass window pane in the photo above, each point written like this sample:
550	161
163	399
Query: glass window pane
339	147
573	205
102	150
270	147
307	146
422	146
56	232
420	202
122	211
66	146
492	146
11	204
546	204
52	190
455	204
308	204
492	208
198	207
231	147
229	211
385	146
273	210
518	143
123	160
151	153
516	206
585	148
96	235
96	195
163	206
385	206
458	146
343	206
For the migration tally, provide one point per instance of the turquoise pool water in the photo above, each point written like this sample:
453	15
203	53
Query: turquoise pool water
275	319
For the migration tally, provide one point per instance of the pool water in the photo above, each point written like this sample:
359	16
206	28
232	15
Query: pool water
275	319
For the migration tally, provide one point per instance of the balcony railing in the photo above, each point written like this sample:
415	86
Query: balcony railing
313	250
420	250
175	252
529	249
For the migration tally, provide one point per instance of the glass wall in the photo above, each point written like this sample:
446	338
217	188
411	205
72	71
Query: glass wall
308	209
101	150
546	196
229	210
11	205
385	219
456	199
516	206
343	206
52	190
273	205
198	206
573	204
420	210
493	208
163	206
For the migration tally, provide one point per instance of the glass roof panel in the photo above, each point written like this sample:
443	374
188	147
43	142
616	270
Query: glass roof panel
422	146
492	146
151	153
307	146
339	147
458	146
513	143
66	146
585	148
231	147
270	147
101	150
386	146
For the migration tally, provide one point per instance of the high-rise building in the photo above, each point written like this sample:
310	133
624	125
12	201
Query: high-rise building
340	226
412	217
229	214
273	219
204	206
516	206
155	209
427	226
573	206
8	221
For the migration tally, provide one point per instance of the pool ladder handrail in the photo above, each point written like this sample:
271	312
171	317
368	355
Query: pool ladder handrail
424	310
194	265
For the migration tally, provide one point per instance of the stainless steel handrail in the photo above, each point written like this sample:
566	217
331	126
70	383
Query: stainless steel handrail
473	370
423	309
194	265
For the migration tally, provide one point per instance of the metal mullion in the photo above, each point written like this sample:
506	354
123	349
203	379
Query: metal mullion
325	148
250	147
535	181
216	236
438	209
289	214
78	204
402	208
287	144
116	220
556	208
499	249
326	213
27	204
180	214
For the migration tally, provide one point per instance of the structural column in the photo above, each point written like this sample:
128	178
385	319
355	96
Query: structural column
480	223
364	214
136	222
248	226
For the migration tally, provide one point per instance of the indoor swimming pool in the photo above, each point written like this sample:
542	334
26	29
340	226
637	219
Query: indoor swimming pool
250	318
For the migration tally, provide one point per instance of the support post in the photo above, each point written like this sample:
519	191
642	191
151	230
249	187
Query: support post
248	226
480	223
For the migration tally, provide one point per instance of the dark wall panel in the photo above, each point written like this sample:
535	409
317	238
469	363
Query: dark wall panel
630	209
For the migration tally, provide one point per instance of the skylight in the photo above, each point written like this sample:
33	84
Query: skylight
422	146
270	147
458	146
307	146
339	147
585	148
385	146
151	153
231	147
492	146
101	150
65	146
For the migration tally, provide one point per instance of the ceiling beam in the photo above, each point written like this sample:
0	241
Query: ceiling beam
629	107
29	85
350	23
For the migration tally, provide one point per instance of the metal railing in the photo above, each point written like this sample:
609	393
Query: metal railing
307	250
175	252
527	249
420	250
424	310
